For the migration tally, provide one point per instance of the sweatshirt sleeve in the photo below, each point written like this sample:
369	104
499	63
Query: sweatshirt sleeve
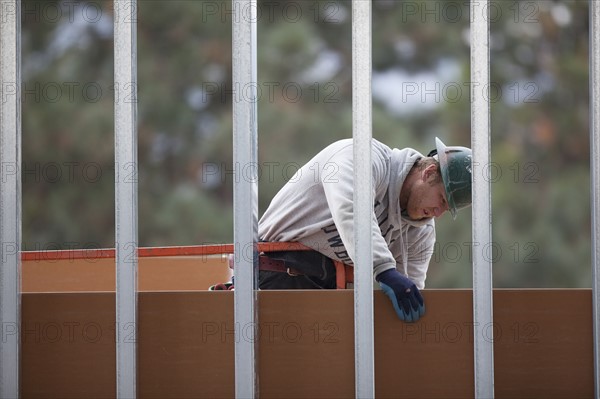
337	181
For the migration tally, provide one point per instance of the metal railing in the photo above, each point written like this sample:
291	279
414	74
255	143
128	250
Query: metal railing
595	178
126	192
364	362
481	210
10	195
245	193
245	198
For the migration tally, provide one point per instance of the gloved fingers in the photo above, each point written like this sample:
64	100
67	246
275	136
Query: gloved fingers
414	303
411	310
392	295
398	306
417	305
421	301
419	296
406	306
418	313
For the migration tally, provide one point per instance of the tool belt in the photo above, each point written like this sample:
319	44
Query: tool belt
277	265
304	263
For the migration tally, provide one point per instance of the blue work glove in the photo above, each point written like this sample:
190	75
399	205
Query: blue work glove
406	298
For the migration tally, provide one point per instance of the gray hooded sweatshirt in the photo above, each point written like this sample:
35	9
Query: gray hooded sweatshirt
315	208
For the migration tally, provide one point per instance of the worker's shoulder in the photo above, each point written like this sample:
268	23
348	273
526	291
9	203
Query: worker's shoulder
348	144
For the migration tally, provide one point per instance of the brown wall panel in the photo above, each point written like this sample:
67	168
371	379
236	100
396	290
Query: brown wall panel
68	275
429	359
543	345
182	273
186	345
174	273
306	344
68	345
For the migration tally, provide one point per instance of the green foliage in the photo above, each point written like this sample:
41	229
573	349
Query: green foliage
540	120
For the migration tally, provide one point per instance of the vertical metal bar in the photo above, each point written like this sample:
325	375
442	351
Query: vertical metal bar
595	178
126	202
482	223
10	196
245	144
363	200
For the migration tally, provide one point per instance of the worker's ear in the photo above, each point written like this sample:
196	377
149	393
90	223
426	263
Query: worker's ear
429	172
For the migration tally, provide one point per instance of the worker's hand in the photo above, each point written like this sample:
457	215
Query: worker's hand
406	298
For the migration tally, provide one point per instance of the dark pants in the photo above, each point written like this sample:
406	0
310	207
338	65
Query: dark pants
317	272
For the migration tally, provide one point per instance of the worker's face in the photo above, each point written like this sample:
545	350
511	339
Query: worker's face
427	197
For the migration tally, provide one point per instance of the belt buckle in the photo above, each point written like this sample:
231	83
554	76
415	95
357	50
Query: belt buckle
291	273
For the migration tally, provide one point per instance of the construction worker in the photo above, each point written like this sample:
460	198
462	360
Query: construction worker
315	208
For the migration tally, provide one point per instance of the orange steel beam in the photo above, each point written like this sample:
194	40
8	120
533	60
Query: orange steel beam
215	249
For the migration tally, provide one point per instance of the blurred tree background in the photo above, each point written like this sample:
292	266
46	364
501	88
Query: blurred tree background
421	89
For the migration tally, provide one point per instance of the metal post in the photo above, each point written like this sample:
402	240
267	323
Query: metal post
363	200
126	210
482	223
595	178
10	196
245	144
